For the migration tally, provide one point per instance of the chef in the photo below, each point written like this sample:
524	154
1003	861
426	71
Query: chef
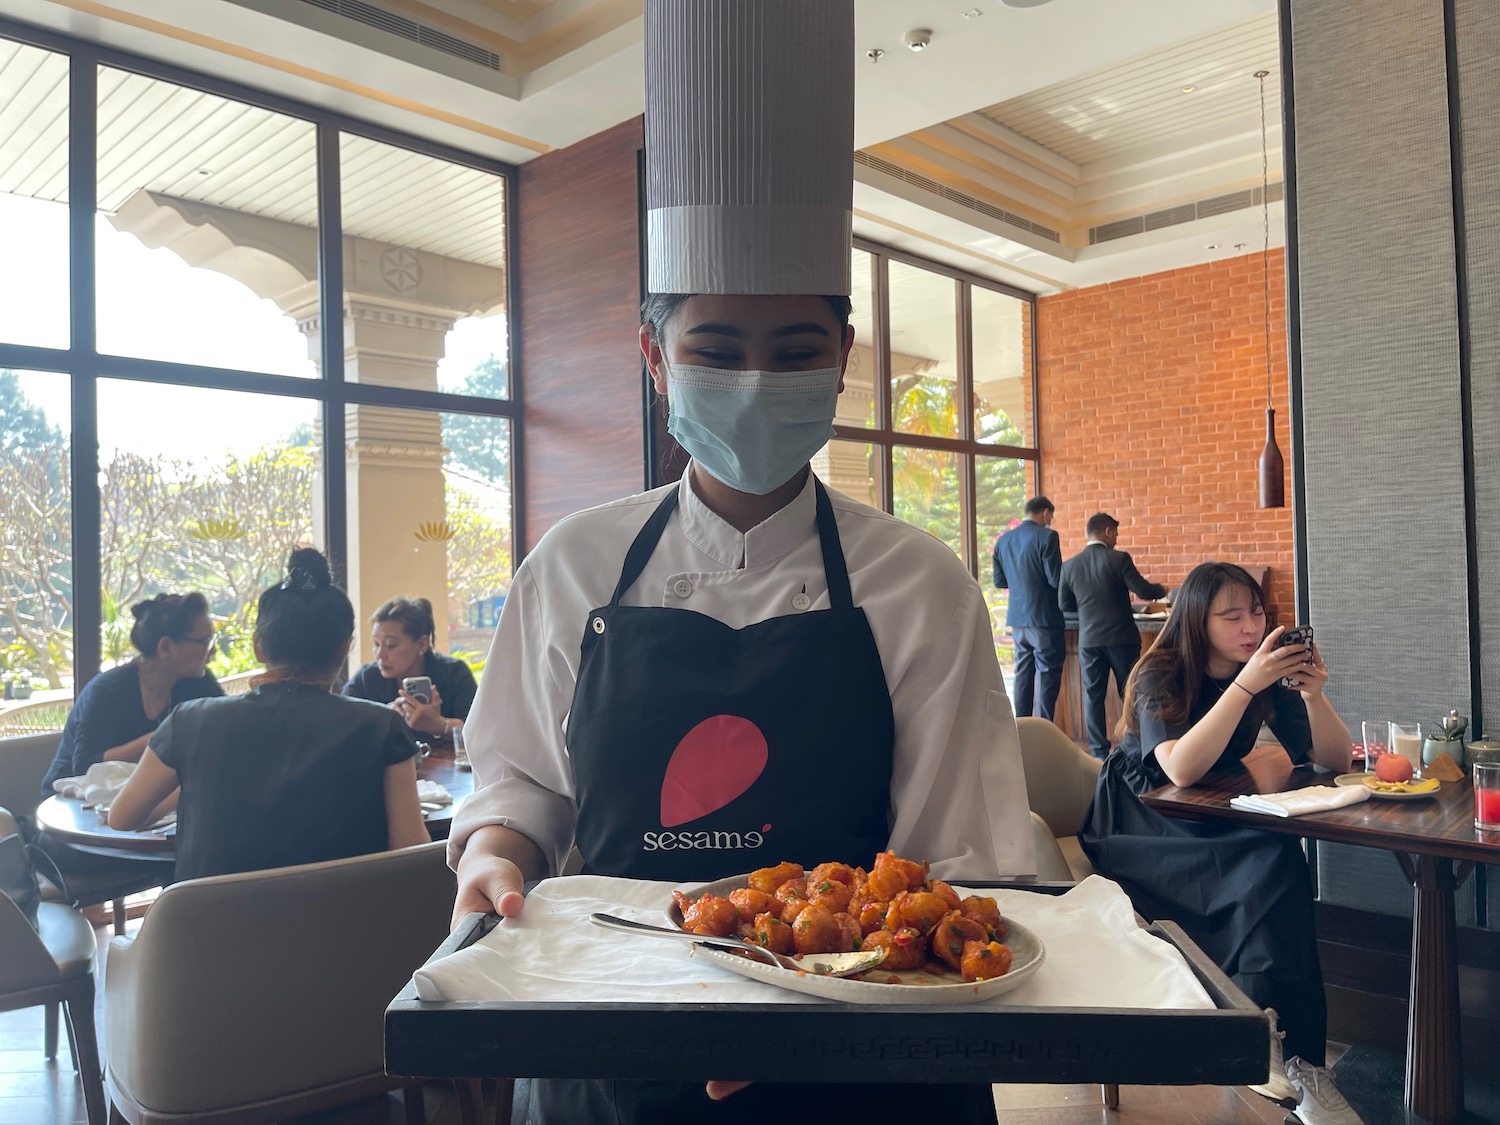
743	667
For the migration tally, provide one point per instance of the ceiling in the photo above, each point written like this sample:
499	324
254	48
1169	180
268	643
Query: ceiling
1049	147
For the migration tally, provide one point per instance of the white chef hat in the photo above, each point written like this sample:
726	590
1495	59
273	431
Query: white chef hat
749	145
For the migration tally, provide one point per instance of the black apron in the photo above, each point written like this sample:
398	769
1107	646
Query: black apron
700	751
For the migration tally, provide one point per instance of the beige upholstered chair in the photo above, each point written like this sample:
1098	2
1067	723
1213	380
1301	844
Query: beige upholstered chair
1051	864
260	996
23	764
53	964
1060	779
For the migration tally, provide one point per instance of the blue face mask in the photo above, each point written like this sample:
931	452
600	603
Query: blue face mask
752	430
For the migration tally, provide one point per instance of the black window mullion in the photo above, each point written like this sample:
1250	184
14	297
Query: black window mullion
83	114
880	281
331	353
968	503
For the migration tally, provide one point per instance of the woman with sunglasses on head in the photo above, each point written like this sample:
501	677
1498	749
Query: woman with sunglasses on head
289	772
117	710
1196	703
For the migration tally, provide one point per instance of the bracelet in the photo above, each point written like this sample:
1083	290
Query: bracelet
1243	688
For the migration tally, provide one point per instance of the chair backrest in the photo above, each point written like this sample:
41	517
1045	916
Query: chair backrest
1060	776
24	960
260	986
1051	864
23	764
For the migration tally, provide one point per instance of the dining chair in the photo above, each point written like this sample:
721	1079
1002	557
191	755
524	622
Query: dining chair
1060	780
23	764
52	964
260	996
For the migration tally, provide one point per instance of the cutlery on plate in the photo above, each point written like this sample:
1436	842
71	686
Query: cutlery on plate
819	964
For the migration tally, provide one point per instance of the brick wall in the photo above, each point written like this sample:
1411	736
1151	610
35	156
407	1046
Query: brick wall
1152	396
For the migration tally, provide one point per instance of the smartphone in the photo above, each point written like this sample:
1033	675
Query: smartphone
1301	635
418	687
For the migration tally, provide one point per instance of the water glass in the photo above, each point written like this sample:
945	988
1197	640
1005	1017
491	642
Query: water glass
1374	737
1487	796
460	752
1406	740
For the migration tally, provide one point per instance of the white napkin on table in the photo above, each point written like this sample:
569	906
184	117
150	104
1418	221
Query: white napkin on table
431	793
1298	802
1097	956
98	784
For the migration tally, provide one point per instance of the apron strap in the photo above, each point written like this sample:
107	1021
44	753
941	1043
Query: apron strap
835	569
645	542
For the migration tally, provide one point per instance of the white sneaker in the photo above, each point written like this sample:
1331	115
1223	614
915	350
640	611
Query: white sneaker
1321	1103
1277	1086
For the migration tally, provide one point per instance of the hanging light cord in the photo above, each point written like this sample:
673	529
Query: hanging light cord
1265	217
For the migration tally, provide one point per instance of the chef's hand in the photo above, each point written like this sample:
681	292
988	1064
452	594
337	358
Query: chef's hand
424	717
1270	663
718	1091
487	884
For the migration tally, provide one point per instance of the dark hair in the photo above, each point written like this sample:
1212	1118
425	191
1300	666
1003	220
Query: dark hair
414	615
1168	677
1039	504
658	308
164	616
1099	523
305	620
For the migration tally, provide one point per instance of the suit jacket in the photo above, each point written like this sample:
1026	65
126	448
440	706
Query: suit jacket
1028	562
1097	583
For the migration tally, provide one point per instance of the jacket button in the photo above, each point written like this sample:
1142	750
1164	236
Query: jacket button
801	601
682	587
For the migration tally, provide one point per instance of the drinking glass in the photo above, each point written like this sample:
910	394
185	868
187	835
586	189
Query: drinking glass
1487	796
460	752
1406	740
1375	734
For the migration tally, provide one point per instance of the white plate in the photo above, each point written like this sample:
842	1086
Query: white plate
1027	955
1370	781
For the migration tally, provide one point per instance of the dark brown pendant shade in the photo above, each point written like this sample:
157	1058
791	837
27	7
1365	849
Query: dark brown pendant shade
1272	468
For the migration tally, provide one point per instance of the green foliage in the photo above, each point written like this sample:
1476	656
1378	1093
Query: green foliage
236	649
23	425
479	443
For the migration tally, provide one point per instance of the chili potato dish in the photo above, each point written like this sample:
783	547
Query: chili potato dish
920	922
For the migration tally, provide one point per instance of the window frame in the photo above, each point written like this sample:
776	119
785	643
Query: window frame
85	365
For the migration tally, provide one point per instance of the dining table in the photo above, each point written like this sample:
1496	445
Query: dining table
1434	840
83	827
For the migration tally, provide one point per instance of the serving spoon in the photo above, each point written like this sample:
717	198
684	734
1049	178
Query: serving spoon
819	964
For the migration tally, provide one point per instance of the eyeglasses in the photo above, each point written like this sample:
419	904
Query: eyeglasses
209	642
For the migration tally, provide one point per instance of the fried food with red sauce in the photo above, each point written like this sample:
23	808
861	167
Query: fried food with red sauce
920	910
769	878
904	949
711	914
984	960
815	931
750	902
771	932
985	910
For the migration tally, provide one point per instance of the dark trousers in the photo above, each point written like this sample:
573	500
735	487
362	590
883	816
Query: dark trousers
1039	662
1097	662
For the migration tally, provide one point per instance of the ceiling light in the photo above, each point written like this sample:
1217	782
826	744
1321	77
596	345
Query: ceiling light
1025	3
874	54
1272	467
1188	89
1212	246
973	14
918	38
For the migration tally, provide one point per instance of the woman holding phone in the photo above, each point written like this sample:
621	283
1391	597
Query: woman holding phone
1196	703
432	692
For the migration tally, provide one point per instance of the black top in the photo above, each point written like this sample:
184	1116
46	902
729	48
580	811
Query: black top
1288	722
1097	583
452	678
1028	562
109	712
287	773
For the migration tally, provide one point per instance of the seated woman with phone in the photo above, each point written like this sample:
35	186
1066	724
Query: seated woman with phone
432	692
289	772
1195	703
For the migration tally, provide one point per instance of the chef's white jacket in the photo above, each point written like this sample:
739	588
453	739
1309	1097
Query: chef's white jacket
958	796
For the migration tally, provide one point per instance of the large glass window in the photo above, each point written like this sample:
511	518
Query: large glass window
34	196
196	376
924	352
36	552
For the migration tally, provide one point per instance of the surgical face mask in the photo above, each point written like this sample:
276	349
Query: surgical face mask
751	430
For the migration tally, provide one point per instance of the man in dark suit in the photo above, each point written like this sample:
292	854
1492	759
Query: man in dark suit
1028	562
1097	584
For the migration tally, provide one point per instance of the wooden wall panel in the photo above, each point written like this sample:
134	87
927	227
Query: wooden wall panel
578	309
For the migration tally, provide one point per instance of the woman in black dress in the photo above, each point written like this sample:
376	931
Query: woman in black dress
403	634
1195	703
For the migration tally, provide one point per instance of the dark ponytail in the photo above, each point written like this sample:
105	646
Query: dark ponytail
304	622
165	616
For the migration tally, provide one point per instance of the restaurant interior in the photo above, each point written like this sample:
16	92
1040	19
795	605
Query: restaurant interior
1095	256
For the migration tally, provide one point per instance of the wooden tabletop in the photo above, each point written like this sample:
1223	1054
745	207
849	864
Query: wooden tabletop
1440	825
68	820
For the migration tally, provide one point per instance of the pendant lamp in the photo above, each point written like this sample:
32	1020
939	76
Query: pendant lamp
1272	467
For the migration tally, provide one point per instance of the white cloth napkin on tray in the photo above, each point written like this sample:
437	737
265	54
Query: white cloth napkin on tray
98	784
431	793
1299	802
1097	955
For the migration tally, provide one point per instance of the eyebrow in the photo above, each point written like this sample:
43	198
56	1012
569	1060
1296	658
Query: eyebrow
711	329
